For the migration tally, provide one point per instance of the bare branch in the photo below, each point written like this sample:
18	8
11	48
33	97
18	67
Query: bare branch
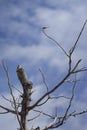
44	80
51	91
44	113
72	80
70	63
70	103
17	89
76	65
34	117
4	112
10	88
73	48
7	99
50	97
58	121
43	30
79	113
56	97
27	85
80	70
8	110
74	114
55	87
44	101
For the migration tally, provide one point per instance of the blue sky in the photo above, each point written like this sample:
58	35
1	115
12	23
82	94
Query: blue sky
22	42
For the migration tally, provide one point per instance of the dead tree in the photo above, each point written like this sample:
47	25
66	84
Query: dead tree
26	107
27	87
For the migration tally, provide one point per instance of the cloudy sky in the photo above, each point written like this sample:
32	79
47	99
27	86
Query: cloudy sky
22	42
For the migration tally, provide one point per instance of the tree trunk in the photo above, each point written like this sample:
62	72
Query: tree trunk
27	87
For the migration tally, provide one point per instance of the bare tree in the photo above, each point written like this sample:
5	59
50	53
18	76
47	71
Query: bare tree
22	107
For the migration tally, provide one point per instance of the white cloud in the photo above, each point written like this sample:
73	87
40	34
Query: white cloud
65	22
33	53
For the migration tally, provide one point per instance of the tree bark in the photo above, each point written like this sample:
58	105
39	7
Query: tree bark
27	87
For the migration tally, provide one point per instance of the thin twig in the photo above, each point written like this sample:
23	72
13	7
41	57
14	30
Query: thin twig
7	99
44	80
79	113
55	97
34	117
43	30
44	102
44	113
73	48
17	89
70	103
80	70
4	112
76	65
70	62
8	110
9	84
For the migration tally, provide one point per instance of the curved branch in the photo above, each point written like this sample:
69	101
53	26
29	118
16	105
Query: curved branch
44	101
43	30
8	110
